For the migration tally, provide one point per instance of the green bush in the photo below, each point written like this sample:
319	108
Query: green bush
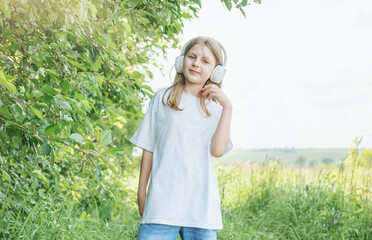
72	79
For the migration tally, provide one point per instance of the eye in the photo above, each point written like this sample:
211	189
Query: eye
191	56
206	61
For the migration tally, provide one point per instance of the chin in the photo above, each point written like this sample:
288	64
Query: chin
195	81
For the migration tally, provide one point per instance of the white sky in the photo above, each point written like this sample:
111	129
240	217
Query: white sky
299	72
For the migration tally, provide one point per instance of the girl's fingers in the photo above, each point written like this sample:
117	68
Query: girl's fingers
206	91
210	91
209	86
211	95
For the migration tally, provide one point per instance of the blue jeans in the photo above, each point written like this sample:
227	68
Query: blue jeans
151	231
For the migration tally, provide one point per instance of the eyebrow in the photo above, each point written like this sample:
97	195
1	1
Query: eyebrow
205	57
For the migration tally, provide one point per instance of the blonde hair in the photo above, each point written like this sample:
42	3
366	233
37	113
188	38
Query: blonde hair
179	83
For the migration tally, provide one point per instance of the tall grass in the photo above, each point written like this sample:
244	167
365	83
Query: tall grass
51	218
258	202
274	202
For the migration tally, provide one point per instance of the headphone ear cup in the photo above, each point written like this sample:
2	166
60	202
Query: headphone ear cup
218	74
178	65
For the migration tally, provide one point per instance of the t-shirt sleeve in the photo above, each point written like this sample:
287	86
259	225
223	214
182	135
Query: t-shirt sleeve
145	135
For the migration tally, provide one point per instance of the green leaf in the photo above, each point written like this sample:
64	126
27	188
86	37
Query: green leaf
135	75
37	113
5	112
63	104
32	50
5	8
79	111
83	216
18	109
93	10
72	53
99	80
98	172
229	5
93	54
97	65
76	64
8	62
34	183
244	3
65	87
127	27
106	138
199	3
46	149
52	72
50	130
47	89
132	3
6	83
54	45
147	87
116	151
5	177
77	137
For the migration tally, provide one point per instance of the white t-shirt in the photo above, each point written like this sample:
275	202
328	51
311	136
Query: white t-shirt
183	188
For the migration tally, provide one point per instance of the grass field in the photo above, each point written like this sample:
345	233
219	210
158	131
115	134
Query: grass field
276	202
263	201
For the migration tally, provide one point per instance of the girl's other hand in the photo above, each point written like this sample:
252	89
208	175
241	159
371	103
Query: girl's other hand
212	90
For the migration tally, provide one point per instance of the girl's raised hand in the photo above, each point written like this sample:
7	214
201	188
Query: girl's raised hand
214	91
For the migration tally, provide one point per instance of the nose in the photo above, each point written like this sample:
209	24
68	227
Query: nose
196	62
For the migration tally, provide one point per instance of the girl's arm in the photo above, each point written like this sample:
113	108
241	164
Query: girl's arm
222	133
146	166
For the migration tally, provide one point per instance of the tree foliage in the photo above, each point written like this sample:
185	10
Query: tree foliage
238	4
71	82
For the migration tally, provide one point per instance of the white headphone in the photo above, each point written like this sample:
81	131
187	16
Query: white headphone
218	72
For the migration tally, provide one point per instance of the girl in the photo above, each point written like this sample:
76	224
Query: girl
183	128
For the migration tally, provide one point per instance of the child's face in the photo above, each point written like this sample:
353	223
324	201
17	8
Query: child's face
198	65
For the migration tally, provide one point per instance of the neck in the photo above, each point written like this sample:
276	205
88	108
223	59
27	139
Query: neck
193	89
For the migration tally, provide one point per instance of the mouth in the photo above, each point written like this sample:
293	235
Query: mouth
193	71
